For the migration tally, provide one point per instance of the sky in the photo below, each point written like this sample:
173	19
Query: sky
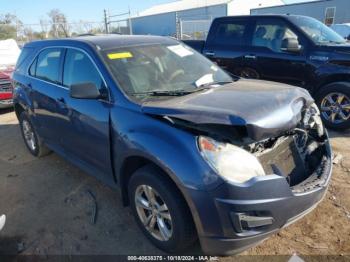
31	11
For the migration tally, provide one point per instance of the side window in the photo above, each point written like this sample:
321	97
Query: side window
329	16
270	33
78	69
25	53
32	68
230	33
48	65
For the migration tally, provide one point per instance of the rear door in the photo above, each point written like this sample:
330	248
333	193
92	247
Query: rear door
227	42
265	58
45	90
86	132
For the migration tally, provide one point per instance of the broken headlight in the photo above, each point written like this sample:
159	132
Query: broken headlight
232	163
312	119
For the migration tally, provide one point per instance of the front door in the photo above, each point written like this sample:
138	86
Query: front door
266	56
86	137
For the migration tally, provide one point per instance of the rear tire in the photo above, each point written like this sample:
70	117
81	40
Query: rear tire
180	230
31	139
333	101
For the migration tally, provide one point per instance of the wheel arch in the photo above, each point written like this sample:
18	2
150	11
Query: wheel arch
135	162
338	78
18	109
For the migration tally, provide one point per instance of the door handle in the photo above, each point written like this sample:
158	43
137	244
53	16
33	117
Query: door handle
210	53
250	56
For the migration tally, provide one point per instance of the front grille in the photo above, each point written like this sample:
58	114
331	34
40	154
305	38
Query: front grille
284	159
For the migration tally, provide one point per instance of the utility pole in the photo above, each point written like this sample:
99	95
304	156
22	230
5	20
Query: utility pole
106	21
129	22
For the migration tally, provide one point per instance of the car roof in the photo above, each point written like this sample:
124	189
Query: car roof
105	42
259	16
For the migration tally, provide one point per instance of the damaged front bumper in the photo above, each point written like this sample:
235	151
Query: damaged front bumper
242	215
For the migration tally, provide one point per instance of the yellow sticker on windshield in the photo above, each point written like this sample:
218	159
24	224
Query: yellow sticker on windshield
119	55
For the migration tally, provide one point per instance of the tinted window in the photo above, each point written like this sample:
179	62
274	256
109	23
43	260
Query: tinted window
317	31
271	33
78	69
48	65
23	56
33	68
230	33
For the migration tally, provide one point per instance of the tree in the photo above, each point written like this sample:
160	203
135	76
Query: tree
8	26
44	24
59	24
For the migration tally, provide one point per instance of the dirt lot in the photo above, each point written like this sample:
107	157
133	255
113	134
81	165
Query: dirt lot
49	209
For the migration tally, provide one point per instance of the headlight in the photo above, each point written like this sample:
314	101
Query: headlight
231	162
312	119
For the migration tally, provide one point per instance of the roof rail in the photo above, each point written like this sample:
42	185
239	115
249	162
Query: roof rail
88	34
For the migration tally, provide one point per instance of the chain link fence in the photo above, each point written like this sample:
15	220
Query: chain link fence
194	29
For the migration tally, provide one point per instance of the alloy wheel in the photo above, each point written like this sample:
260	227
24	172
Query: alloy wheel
29	136
153	213
335	108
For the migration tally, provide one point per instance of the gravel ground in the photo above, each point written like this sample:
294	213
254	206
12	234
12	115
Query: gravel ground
49	209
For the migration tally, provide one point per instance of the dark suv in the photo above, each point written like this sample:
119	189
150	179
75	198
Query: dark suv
193	151
296	50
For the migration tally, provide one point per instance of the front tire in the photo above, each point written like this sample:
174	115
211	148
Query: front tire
31	139
333	101
160	210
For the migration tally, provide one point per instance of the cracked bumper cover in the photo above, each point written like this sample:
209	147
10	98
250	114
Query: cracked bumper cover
264	197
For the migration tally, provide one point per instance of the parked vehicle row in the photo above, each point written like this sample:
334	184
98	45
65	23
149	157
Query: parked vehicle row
296	50
5	87
195	152
9	53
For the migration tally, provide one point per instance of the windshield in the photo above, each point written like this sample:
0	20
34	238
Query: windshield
161	69
317	31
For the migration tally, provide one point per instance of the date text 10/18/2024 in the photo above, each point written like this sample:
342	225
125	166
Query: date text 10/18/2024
172	258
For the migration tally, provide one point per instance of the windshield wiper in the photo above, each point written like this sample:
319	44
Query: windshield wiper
214	83
181	92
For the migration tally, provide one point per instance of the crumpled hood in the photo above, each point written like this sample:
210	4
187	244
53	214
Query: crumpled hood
265	108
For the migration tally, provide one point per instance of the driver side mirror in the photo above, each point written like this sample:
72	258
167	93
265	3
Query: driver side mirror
291	45
85	91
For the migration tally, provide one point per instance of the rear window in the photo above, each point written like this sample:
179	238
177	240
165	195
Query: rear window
230	33
25	53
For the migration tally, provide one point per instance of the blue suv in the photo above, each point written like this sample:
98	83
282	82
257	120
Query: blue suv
196	152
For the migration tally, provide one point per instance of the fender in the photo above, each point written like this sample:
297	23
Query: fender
21	96
172	146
